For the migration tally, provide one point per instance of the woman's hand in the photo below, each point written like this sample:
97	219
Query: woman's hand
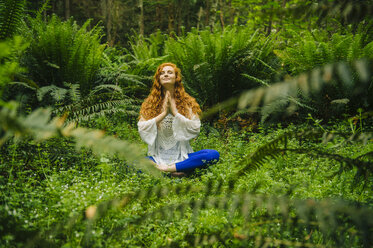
166	168
173	105
165	109
166	103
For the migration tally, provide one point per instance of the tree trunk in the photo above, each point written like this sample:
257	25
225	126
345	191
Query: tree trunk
67	9
221	7
171	17
199	16
179	15
279	27
158	16
214	8
269	27
270	21
231	13
106	9
141	17
109	22
207	13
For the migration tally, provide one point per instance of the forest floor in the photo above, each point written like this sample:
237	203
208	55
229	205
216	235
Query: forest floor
74	199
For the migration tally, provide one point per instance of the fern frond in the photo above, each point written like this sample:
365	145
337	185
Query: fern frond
40	126
101	109
11	13
23	84
111	87
255	79
74	91
324	216
57	93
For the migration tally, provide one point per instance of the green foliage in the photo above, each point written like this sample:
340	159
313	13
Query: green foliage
96	105
307	50
9	61
218	65
280	187
133	76
145	55
345	10
102	203
39	126
11	13
321	88
273	150
147	48
63	52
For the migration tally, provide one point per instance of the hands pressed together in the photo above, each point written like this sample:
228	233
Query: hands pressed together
169	104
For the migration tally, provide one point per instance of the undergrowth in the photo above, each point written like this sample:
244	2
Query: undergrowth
47	200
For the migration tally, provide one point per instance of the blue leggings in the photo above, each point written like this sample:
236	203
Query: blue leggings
197	160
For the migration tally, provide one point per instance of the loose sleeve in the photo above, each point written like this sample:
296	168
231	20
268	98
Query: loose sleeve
184	128
148	130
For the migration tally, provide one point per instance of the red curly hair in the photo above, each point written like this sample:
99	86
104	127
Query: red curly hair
152	105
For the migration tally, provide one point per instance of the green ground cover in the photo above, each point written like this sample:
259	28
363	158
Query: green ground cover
48	190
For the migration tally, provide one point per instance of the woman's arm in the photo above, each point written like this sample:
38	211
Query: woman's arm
148	128
186	129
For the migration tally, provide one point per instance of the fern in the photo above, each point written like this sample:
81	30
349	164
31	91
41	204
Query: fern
39	126
133	77
9	62
103	109
102	100
11	13
63	52
57	93
308	50
214	64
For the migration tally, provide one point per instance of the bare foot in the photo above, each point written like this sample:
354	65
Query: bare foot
178	174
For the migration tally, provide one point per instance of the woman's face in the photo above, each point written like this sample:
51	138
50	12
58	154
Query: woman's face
167	76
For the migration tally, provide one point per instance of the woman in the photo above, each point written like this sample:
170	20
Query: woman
169	118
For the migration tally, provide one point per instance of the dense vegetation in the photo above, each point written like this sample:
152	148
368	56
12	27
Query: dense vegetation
286	88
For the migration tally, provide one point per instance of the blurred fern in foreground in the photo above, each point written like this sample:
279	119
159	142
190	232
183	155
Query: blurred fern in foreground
324	90
253	220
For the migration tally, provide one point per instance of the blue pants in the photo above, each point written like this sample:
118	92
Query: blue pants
197	160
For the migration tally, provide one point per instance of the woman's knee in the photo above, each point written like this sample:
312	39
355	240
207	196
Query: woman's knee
214	155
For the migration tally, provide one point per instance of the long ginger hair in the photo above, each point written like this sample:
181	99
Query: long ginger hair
152	105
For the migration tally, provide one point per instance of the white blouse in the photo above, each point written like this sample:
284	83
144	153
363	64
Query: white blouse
169	143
